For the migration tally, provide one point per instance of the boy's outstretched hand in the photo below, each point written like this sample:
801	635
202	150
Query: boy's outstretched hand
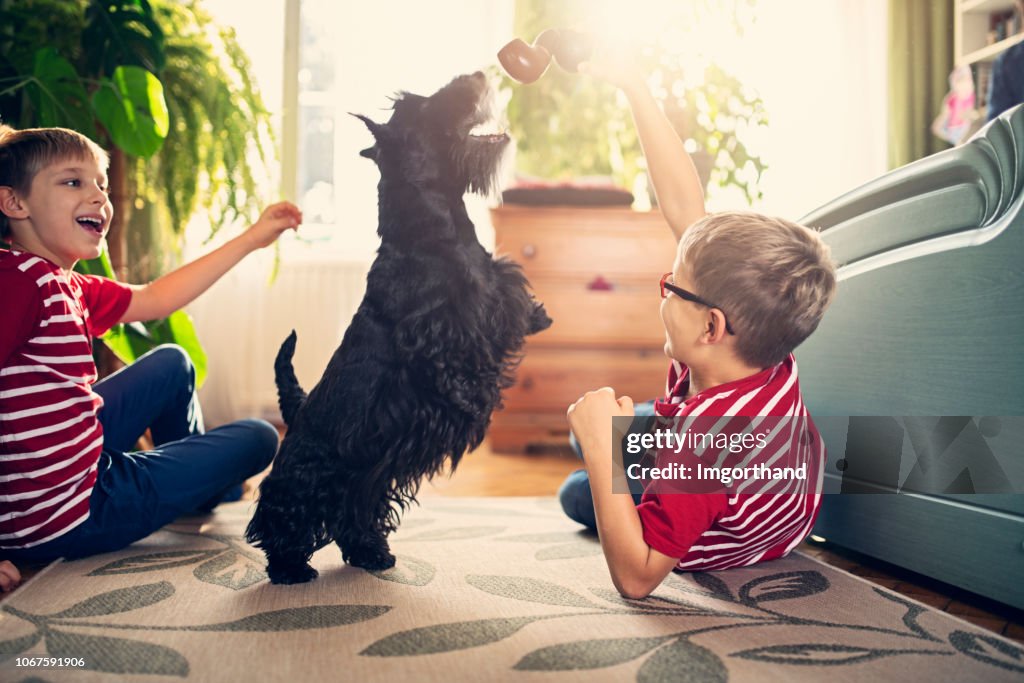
10	577
274	220
615	64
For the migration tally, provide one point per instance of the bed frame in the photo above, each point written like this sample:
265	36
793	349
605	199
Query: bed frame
928	322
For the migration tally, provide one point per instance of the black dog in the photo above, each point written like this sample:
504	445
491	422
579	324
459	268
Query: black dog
424	361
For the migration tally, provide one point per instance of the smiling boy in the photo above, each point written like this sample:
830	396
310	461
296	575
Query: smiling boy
70	483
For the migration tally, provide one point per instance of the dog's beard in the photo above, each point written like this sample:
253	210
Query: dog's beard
480	162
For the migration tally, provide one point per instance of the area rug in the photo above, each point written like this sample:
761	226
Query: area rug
501	589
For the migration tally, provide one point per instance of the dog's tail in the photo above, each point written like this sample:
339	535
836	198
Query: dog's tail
290	395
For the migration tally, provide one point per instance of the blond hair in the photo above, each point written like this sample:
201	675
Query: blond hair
772	278
23	153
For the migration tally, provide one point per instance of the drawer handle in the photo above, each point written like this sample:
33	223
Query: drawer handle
599	284
527	383
529	251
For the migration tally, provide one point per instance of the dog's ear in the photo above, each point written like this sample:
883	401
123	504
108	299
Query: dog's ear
376	128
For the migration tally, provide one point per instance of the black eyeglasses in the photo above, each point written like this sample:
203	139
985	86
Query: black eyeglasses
667	286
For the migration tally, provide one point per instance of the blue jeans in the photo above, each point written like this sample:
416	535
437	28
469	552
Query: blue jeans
188	470
575	495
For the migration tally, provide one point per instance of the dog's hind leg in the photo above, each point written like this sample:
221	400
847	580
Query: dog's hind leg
283	569
283	529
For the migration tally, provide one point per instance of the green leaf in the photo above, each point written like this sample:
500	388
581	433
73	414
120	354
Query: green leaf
152	562
408	570
589	654
683	662
117	655
460	635
57	94
231	570
300	618
528	590
118	600
130	105
122	32
9	648
97	266
183	333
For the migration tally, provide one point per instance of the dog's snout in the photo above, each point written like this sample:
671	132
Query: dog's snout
479	75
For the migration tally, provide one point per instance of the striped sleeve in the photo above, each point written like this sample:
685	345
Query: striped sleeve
106	300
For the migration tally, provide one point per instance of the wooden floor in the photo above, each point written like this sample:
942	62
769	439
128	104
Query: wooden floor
483	473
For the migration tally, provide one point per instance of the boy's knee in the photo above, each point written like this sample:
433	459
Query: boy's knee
175	362
574	493
263	441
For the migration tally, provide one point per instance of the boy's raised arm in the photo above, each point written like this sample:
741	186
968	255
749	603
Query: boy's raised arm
676	183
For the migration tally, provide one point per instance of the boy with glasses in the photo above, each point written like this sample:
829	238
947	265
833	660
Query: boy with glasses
744	291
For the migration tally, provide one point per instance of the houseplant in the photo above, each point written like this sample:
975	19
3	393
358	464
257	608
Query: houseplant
567	126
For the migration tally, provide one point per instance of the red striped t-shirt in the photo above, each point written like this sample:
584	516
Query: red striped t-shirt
753	519
50	436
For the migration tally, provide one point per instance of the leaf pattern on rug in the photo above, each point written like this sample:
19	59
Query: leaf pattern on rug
117	601
783	586
299	618
653	602
152	562
589	654
408	570
988	649
117	655
684	662
714	585
124	656
910	618
529	590
231	570
818	654
235	565
460	635
568	545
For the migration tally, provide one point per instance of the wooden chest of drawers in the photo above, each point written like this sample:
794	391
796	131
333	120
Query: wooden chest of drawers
597	272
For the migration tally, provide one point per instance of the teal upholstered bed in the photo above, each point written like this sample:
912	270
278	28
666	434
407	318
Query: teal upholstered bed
928	321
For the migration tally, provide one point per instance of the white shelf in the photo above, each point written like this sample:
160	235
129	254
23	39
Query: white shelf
985	6
990	52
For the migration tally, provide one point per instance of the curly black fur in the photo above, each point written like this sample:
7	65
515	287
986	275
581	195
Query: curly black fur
423	363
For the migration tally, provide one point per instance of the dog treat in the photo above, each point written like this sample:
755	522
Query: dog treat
527	63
